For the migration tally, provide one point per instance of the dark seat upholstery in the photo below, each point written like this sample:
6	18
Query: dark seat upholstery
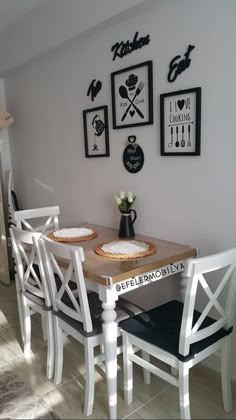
124	309
161	327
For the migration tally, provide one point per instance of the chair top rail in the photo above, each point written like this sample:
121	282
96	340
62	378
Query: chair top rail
38	212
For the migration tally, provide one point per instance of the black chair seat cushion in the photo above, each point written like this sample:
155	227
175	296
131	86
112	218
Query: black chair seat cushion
124	310
161	327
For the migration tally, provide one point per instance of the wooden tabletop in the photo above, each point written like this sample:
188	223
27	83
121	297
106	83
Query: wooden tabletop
97	268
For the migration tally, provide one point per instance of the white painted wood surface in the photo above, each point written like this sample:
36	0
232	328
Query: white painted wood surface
195	272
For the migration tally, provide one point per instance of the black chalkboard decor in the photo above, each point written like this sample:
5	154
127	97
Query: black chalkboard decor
126	47
177	66
94	88
133	156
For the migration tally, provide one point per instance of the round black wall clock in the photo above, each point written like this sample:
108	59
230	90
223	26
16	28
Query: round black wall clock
133	156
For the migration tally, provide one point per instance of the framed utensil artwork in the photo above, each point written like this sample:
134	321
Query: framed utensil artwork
132	96
96	132
181	122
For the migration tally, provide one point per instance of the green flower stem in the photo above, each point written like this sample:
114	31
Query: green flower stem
125	206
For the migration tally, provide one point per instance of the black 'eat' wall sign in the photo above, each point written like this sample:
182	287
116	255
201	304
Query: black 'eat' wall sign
126	47
177	66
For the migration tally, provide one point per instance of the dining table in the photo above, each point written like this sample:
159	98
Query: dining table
111	278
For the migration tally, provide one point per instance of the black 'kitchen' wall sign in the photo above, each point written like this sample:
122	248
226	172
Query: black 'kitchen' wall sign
126	47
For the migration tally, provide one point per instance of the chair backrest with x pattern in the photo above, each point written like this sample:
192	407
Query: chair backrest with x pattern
76	305
27	255
195	272
22	218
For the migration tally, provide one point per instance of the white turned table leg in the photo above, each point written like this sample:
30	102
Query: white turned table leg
110	349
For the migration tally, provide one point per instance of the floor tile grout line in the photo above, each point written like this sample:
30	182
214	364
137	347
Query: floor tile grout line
9	326
57	386
147	402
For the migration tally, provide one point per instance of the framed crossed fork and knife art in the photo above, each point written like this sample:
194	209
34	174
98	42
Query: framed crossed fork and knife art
132	96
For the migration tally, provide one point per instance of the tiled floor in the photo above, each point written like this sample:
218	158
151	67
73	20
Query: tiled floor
156	401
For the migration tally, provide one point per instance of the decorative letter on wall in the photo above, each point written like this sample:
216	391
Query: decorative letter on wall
123	48
94	88
176	67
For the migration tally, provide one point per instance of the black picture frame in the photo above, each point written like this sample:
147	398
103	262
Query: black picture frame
130	84
96	132
180	125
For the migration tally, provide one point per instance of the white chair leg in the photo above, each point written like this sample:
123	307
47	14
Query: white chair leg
184	391
44	326
51	347
90	378
27	327
128	370
20	309
21	316
58	351
146	373
226	375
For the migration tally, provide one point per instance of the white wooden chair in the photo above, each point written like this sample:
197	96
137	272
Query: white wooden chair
28	220
34	296
180	336
22	218
76	313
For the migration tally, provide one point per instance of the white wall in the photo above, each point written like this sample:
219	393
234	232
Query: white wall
52	23
184	199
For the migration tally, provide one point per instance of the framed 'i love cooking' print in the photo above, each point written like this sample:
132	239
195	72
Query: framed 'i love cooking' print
181	122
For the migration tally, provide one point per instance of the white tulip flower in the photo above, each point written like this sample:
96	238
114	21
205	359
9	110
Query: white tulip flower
122	195
130	197
118	200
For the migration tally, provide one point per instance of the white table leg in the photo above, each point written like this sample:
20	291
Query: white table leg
110	350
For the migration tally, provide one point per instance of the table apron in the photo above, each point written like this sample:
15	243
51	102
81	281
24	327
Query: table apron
135	282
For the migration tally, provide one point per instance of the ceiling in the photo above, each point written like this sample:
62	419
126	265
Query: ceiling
12	10
30	28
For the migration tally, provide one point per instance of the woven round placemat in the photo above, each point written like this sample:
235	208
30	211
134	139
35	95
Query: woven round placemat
120	257
73	238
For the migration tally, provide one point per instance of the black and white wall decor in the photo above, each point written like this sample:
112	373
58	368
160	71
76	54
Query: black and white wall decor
96	132
120	49
133	156
178	64
94	88
132	96
181	122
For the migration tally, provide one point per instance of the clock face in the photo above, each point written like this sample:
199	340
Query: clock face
133	158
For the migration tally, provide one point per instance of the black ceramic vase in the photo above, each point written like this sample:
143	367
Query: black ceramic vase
126	229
